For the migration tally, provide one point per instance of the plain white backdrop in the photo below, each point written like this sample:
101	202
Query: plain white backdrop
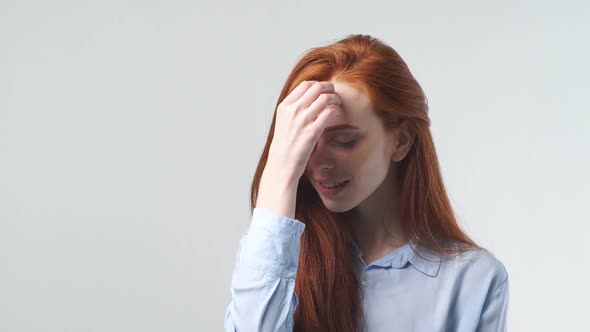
130	132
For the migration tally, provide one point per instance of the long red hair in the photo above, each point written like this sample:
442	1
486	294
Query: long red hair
327	282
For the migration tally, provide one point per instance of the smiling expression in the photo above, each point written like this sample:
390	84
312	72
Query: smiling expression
354	145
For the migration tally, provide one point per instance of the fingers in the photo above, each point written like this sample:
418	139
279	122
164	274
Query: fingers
298	92
309	101
311	94
320	105
317	127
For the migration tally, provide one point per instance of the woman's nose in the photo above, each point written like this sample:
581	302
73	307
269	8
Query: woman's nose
321	156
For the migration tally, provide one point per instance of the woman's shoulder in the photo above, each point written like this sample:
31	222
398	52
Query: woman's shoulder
476	263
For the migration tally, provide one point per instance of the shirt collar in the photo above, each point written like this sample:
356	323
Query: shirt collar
422	259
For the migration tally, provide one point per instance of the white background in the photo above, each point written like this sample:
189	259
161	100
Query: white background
130	131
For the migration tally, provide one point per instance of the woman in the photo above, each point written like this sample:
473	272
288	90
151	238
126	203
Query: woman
352	229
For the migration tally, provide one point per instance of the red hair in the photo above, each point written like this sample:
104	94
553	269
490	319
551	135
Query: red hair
327	282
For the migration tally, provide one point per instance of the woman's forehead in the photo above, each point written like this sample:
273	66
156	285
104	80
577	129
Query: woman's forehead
347	117
352	97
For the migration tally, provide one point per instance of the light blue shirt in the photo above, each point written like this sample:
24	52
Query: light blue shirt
402	291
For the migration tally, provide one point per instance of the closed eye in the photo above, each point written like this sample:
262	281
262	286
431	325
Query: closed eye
347	144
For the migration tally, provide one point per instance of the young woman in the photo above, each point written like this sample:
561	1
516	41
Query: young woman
351	227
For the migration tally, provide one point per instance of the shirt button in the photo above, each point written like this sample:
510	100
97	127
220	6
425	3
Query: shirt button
365	283
291	268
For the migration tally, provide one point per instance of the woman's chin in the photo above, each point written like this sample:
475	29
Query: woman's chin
336	207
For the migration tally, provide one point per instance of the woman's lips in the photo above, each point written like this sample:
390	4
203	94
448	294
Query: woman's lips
332	191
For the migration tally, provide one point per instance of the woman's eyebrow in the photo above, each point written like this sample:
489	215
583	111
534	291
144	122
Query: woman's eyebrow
340	127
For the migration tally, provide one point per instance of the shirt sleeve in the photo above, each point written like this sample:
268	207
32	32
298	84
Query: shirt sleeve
263	280
494	312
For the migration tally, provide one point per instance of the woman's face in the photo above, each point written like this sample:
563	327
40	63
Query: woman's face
362	155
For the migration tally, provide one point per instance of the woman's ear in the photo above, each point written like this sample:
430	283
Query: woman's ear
403	140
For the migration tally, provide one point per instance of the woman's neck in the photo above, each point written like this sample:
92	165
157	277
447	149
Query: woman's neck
375	223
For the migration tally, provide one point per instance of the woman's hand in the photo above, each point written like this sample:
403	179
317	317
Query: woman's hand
300	120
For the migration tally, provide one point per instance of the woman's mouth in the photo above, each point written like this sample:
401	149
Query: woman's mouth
332	188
